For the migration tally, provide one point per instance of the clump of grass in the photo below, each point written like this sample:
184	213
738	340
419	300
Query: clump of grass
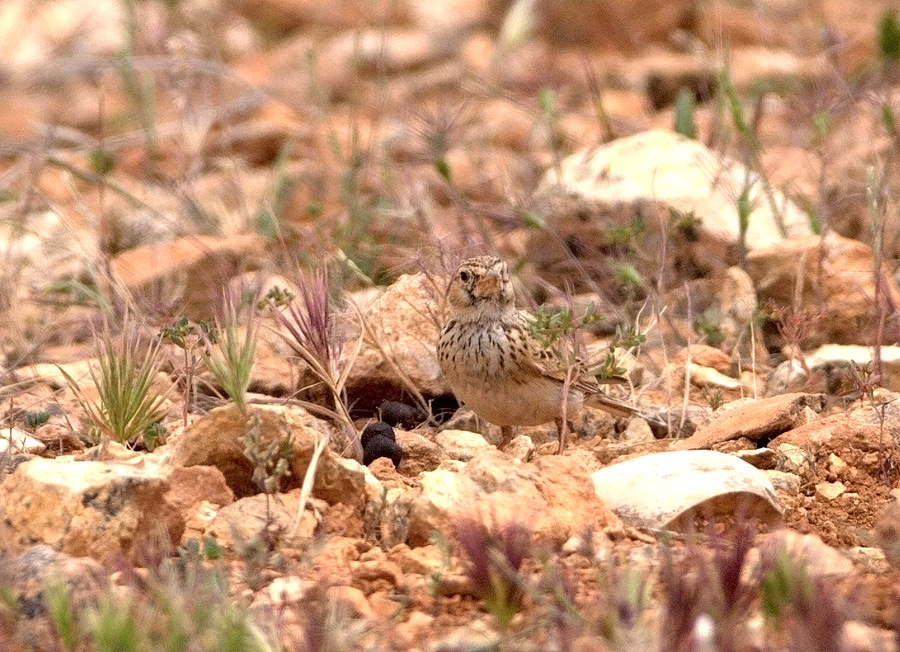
705	595
796	326
230	353
493	553
174	606
800	605
306	321
128	404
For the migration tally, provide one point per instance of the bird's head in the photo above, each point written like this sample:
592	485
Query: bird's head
480	288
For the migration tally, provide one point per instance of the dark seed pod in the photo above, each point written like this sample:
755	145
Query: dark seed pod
380	446
376	429
401	414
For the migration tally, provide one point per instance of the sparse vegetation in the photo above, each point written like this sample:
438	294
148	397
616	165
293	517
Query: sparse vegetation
125	377
229	353
154	155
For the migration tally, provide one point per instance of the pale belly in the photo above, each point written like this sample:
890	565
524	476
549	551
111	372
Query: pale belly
516	404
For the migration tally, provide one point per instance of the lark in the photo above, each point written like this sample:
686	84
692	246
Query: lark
493	363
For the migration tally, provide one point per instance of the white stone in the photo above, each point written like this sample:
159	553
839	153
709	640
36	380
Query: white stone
665	166
830	490
20	441
461	444
657	490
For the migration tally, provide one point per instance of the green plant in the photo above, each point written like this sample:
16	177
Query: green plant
796	325
715	398
187	337
269	220
124	376
889	37
271	460
708	325
178	605
61	612
745	126
35	419
230	353
706	587
193	550
140	91
436	130
550	326
685	109
114	625
629	278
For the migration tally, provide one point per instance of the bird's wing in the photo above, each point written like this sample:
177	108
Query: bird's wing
559	361
556	364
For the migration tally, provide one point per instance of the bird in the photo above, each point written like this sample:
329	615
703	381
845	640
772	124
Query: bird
494	364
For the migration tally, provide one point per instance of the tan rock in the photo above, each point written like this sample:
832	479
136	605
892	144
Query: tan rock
750	67
835	358
820	559
761	458
416	628
789	483
705	356
406	321
350	602
754	420
338	479
386	50
424	560
833	434
521	448
86	509
191	486
554	496
793	459
27	577
626	26
858	636
830	490
461	444
243	524
286	590
288	15
708	377
190	271
833	280
887	532
96	29
215	440
21	441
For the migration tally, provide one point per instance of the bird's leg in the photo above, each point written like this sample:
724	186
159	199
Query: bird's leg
507	435
562	427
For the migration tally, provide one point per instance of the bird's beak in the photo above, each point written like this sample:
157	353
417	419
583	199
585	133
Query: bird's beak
489	284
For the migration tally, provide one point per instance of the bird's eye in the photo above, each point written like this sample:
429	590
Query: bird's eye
464	276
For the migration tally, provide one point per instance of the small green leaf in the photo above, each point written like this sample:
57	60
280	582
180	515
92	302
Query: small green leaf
685	108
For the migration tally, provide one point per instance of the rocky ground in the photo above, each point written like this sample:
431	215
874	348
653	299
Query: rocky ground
227	229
